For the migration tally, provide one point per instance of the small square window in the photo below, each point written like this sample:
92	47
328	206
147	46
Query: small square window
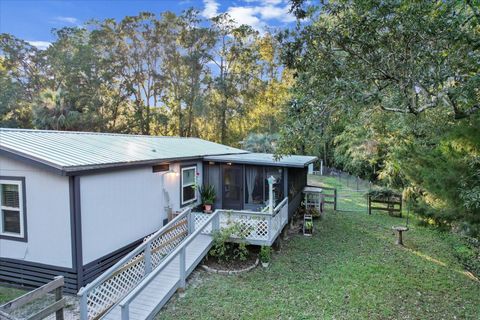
12	209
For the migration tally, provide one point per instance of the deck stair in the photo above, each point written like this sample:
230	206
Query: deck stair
141	283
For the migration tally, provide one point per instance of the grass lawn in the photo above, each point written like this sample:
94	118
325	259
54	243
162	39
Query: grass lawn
348	196
349	269
7	294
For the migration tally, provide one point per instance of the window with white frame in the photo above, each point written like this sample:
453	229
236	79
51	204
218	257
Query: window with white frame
11	206
188	177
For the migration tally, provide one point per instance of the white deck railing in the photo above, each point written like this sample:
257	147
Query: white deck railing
105	291
259	228
212	223
124	280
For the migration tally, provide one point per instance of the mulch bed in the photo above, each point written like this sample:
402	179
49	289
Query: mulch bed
231	265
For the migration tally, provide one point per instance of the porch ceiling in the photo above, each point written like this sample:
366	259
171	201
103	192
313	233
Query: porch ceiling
265	159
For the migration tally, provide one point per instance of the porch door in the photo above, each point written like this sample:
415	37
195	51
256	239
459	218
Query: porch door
232	187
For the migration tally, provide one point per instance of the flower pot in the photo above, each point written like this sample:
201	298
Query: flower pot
208	207
265	264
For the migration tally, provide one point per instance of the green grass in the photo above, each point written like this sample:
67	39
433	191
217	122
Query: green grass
349	199
349	269
7	294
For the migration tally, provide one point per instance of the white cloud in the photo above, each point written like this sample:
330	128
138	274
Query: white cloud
257	13
42	45
246	15
71	20
211	8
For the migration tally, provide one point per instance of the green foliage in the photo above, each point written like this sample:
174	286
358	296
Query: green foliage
383	193
259	142
378	279
388	91
265	254
229	243
208	194
163	74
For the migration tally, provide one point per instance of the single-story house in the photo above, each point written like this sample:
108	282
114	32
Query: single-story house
74	203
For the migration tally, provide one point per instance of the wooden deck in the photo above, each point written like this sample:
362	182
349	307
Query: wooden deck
156	293
142	282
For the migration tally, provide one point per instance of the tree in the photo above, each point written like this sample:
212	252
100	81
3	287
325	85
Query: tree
389	90
234	55
20	79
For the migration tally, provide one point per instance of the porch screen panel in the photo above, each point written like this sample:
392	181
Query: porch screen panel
254	188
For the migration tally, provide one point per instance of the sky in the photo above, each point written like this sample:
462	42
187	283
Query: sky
33	20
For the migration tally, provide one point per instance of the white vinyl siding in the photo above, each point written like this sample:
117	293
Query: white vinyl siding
188	192
11	206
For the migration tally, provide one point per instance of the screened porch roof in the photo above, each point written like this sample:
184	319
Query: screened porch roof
263	159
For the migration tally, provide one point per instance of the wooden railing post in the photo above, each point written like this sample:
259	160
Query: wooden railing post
182	268
147	256
191	222
125	311
83	306
58	297
216	222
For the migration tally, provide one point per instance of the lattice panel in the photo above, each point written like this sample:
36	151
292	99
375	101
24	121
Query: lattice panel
200	219
168	241
105	295
253	226
102	297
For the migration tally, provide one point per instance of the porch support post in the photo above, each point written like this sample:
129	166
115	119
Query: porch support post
271	181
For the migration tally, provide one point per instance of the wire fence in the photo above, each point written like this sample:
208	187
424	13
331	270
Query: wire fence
351	190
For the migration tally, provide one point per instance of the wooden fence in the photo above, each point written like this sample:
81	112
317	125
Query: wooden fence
330	196
392	204
57	307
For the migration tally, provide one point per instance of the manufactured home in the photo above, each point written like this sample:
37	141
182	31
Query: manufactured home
74	203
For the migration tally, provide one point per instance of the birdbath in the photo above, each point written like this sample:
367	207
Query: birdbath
399	231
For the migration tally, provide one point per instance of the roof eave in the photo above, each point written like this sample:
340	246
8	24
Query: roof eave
89	169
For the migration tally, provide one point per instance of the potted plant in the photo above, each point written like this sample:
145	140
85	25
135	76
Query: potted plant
307	225
208	195
265	256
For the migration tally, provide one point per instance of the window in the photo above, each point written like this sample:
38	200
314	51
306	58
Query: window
188	193
12	210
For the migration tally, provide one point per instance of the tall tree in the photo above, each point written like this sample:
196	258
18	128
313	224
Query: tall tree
233	55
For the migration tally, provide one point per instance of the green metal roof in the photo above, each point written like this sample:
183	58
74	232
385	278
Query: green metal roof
77	151
266	159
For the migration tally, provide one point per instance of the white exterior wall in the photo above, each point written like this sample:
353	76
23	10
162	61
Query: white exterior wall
120	207
48	217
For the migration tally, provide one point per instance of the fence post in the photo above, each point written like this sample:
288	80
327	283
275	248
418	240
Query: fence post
147	255
58	297
401	201
369	205
335	199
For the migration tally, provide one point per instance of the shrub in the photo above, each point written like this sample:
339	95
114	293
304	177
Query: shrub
265	254
224	249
